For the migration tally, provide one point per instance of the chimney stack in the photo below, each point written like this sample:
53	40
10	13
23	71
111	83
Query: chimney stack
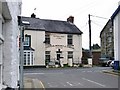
70	19
33	15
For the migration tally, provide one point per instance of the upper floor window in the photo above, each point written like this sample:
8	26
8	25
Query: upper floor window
47	38
69	39
110	39
110	29
27	40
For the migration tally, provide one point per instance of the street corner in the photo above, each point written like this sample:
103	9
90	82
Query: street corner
30	83
38	84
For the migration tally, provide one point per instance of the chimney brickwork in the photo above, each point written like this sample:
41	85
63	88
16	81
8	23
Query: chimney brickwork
70	19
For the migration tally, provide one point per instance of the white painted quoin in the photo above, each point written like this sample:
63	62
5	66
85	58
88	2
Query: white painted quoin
9	50
52	40
116	23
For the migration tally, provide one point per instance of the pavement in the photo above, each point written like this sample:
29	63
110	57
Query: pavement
30	83
113	72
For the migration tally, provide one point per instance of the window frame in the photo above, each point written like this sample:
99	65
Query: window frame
47	38
70	39
27	40
28	58
47	56
70	54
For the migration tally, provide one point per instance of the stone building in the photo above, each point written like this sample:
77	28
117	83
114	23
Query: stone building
107	40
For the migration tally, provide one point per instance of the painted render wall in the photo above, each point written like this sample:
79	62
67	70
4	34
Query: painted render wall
37	39
117	36
59	41
1	49
10	47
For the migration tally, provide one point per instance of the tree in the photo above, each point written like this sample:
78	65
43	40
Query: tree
95	46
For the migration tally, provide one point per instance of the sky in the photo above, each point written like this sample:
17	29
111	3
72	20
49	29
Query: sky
100	11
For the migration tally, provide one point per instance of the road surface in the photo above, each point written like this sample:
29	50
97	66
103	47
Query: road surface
73	77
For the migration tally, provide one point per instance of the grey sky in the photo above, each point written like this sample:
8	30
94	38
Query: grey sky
62	9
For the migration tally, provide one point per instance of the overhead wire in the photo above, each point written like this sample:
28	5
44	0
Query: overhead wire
99	17
83	8
96	24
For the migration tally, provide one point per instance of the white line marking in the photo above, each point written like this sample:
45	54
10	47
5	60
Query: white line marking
63	84
41	73
89	71
69	83
32	73
80	84
94	82
83	71
52	84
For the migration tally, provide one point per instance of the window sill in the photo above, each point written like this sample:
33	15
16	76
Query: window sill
70	45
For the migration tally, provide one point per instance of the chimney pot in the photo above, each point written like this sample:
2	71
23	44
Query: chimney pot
70	19
33	15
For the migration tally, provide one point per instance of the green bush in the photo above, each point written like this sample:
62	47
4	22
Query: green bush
119	68
80	65
66	65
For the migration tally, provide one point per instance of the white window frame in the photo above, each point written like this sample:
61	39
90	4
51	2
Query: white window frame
27	40
70	54
110	29
69	39
31	57
47	38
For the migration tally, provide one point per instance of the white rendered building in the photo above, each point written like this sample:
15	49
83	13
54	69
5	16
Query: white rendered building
9	49
116	23
51	41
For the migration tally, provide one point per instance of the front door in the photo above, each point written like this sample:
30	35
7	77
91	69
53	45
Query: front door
59	52
58	56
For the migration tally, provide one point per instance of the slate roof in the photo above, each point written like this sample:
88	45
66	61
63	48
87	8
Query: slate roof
52	26
35	23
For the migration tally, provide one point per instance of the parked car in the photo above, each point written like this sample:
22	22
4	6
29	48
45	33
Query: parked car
104	61
112	64
108	62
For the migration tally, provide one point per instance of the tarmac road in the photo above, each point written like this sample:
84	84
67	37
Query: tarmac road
73	77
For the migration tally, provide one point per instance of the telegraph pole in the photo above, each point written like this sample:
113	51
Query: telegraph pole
89	22
22	25
21	57
21	52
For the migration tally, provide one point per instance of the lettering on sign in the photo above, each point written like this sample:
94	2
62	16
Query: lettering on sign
58	36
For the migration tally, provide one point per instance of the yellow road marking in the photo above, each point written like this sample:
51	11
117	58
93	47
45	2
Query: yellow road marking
111	74
42	85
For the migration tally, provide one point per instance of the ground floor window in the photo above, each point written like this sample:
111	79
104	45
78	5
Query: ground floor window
70	54
28	58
